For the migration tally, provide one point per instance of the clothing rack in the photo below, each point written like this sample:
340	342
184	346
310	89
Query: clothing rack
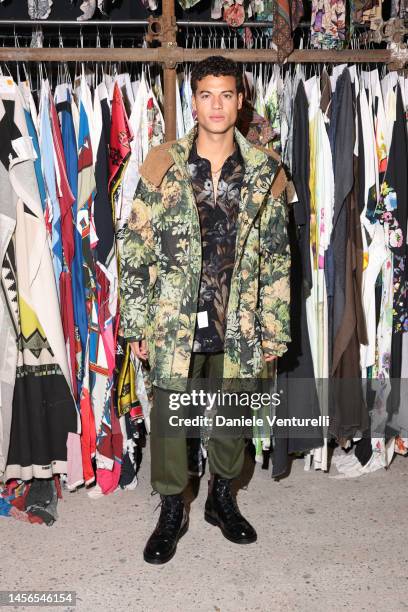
163	30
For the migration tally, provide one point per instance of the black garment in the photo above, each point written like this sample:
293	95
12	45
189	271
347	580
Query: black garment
295	367
218	221
342	143
102	206
396	177
42	500
43	414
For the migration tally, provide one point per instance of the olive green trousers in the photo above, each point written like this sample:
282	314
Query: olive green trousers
169	466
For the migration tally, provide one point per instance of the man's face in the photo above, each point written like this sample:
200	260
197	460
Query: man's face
217	103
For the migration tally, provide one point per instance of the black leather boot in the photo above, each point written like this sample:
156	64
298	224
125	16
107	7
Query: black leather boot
221	509
171	526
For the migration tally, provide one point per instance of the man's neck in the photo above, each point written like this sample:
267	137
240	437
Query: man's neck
215	147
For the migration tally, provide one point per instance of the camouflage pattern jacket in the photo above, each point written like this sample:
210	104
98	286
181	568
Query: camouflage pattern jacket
161	265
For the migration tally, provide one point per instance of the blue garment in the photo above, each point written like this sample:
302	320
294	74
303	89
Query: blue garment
5	507
48	167
37	163
71	158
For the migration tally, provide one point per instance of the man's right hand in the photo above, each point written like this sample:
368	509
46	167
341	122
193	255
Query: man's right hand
139	349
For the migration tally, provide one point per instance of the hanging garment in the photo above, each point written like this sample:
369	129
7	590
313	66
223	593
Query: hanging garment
102	208
373	235
254	127
321	186
138	150
328	24
53	211
43	406
85	197
155	121
342	144
297	363
282	29
9	315
39	9
88	8
272	107
393	210
188	114
348	412
105	6
66	200
65	107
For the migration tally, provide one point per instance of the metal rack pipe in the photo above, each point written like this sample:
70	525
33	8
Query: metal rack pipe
52	22
246	24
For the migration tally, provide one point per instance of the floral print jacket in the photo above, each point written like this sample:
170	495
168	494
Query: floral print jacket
162	258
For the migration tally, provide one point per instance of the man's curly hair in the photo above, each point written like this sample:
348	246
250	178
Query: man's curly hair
216	65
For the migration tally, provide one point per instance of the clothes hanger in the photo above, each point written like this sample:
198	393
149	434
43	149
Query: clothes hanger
210	38
217	39
60	66
229	37
235	39
17	45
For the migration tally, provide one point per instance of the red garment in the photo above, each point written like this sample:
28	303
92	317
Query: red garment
104	316
111	445
65	196
282	29
120	135
68	324
18	510
88	436
66	200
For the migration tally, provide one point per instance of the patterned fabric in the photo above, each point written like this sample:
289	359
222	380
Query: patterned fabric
126	397
218	218
297	12
282	29
255	128
39	9
53	211
120	136
43	407
88	8
391	211
161	267
328	24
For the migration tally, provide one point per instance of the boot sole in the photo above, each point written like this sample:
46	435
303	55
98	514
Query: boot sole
161	561
213	521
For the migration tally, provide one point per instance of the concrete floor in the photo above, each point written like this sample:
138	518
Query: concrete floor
323	545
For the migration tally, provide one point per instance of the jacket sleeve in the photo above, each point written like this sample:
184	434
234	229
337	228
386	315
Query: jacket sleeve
274	285
138	262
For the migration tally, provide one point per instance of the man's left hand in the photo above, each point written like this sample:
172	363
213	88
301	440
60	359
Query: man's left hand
270	357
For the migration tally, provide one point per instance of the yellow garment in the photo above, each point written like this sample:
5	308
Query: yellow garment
127	397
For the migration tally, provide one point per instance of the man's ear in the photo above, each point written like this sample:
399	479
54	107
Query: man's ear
193	101
240	100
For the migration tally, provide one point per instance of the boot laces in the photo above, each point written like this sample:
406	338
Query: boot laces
227	499
170	513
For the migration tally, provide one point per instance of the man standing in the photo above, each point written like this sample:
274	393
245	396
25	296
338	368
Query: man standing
205	285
